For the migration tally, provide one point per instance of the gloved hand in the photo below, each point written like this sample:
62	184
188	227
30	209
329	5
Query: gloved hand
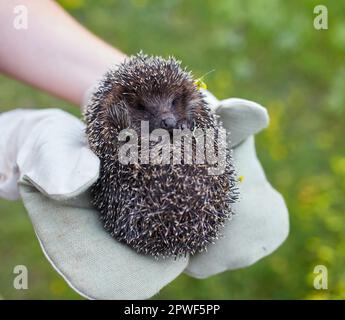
47	151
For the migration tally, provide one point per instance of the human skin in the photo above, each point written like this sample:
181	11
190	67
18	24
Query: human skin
55	53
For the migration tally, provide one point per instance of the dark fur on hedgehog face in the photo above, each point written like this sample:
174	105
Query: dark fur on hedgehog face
158	91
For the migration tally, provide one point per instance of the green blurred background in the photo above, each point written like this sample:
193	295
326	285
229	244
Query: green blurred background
267	51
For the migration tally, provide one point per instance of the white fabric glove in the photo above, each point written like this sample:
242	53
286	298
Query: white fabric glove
46	150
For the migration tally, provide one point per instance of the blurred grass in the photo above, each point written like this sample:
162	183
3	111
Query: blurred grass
267	51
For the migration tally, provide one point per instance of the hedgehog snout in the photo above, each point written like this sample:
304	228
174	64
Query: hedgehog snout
168	122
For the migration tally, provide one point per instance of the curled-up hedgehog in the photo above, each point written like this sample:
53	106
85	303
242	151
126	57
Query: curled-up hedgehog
166	209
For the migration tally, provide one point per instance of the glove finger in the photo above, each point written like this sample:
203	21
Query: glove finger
56	158
15	127
242	118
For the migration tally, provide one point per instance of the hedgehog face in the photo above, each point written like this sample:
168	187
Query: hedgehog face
155	90
163	110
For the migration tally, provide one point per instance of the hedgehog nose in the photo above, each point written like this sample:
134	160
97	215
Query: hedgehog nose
168	123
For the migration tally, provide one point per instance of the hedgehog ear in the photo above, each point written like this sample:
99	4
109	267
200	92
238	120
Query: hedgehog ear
242	118
118	113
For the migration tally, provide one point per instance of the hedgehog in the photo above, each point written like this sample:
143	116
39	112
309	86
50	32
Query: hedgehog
167	209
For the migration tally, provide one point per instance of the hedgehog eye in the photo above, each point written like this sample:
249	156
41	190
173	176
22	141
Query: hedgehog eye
175	102
140	107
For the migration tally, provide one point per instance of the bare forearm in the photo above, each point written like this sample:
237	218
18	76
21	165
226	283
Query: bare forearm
55	53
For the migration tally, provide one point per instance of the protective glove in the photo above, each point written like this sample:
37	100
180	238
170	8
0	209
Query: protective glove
46	151
55	168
